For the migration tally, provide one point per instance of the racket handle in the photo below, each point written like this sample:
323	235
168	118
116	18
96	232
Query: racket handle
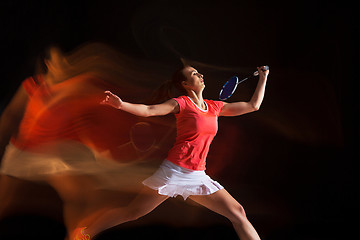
257	72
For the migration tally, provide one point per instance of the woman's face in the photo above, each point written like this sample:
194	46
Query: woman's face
57	63
194	80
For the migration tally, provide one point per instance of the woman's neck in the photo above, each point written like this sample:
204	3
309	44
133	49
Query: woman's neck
197	98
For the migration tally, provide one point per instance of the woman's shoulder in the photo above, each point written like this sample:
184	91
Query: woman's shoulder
180	97
181	100
31	83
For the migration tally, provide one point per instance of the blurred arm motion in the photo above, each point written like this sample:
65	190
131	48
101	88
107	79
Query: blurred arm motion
11	117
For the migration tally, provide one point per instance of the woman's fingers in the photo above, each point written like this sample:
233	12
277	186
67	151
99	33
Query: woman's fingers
111	99
263	68
110	94
107	97
263	71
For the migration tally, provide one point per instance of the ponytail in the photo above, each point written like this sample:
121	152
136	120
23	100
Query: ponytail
165	91
162	93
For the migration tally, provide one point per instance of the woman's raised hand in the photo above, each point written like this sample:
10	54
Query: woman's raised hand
112	100
263	73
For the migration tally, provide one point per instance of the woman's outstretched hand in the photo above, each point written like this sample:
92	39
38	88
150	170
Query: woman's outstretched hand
262	72
112	100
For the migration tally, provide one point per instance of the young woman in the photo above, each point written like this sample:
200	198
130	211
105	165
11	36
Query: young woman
182	173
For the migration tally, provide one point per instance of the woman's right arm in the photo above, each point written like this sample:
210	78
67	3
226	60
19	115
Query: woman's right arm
11	117
141	110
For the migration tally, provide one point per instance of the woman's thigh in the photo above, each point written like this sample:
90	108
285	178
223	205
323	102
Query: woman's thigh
220	202
146	201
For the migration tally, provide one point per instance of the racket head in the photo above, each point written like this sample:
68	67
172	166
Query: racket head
229	88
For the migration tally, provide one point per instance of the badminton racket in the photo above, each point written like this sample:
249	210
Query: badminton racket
230	86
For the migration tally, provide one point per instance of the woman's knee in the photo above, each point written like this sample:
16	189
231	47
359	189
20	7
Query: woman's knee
237	214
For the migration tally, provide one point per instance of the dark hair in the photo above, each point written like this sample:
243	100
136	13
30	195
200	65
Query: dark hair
165	91
178	77
40	61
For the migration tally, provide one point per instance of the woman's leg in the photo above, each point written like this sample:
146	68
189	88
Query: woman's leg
146	201
8	189
223	203
78	195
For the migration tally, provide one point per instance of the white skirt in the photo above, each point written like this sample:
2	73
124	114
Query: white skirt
172	180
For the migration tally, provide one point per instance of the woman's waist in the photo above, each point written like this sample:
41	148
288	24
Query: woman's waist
177	168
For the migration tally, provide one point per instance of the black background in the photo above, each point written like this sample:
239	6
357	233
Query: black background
292	164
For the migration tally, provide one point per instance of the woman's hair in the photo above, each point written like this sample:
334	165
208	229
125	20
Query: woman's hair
40	65
165	91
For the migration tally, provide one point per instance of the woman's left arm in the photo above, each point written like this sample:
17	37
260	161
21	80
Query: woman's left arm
239	108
